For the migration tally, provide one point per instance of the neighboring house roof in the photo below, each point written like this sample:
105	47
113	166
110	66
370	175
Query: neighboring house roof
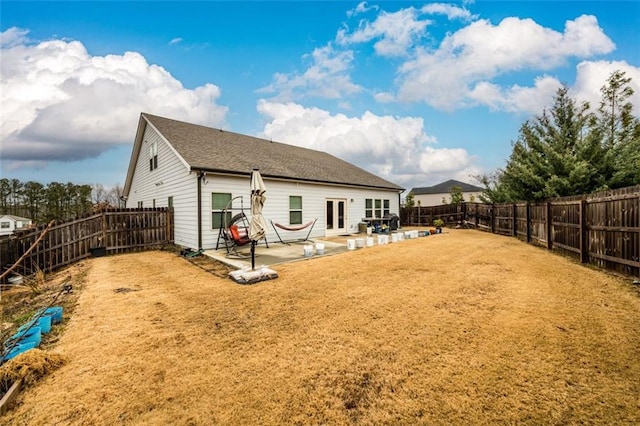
15	218
215	150
445	188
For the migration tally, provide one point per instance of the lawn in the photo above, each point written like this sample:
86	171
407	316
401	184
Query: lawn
463	327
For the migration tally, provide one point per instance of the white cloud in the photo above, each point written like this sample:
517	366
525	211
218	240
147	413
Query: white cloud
176	40
384	97
517	98
397	32
451	11
327	77
591	76
362	7
395	148
446	78
62	104
12	37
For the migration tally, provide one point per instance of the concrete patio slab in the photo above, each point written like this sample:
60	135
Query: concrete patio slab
275	254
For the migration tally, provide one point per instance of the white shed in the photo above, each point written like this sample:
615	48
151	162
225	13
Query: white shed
196	170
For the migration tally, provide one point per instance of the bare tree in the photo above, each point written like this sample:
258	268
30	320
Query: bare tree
99	195
114	196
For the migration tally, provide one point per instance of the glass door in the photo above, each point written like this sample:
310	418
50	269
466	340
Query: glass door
336	218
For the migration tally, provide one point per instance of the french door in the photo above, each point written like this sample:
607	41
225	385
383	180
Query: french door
336	216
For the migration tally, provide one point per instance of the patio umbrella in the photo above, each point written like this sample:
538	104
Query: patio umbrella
257	226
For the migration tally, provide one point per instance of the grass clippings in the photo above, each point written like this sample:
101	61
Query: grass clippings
29	366
463	327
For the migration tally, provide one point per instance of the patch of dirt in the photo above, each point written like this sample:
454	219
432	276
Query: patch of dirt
213	266
461	327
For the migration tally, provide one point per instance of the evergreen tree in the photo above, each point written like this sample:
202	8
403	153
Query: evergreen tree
54	200
456	195
569	150
546	160
619	133
34	200
409	200
5	193
16	188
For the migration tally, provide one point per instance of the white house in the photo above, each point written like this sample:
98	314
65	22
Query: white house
10	223
196	170
441	193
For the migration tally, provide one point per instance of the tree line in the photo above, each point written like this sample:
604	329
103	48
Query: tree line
571	149
54	201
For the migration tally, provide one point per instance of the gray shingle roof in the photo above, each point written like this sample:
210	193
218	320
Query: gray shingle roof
445	188
208	149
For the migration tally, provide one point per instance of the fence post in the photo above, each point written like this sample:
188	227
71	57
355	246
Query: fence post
528	222
584	232
515	223
103	222
476	214
464	212
549	225
493	218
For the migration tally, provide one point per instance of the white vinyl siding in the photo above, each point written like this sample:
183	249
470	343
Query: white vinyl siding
436	199
172	180
277	204
9	223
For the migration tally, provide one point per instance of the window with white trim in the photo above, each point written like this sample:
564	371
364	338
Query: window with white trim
376	208
153	156
219	201
295	210
5	225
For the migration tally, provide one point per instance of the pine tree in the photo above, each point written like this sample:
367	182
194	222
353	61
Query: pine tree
546	159
619	133
569	150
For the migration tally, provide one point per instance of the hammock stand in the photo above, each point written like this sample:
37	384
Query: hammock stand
234	232
309	225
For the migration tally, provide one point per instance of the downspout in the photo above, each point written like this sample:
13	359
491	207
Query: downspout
200	177
399	209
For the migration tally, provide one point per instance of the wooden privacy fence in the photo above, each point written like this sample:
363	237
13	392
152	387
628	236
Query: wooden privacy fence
107	232
602	229
424	216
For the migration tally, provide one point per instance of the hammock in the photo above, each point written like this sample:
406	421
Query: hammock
309	225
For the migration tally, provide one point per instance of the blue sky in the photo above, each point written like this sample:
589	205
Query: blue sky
416	92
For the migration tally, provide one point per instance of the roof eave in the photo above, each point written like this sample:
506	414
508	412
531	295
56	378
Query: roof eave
134	154
294	179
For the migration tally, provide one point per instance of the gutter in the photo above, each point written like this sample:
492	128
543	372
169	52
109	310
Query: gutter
292	179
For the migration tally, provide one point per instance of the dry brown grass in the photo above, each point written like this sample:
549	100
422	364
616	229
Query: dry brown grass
30	367
463	327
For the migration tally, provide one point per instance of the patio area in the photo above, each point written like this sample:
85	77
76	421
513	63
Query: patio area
277	252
